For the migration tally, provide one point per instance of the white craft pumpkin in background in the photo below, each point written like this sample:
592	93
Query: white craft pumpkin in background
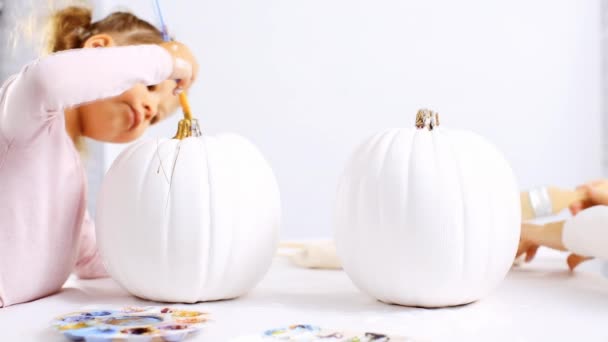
427	216
189	220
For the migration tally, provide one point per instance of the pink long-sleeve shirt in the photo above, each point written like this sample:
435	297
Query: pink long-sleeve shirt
45	232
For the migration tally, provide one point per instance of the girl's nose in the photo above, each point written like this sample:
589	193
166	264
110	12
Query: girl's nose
150	109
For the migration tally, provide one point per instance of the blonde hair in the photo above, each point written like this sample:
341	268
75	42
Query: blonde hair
71	27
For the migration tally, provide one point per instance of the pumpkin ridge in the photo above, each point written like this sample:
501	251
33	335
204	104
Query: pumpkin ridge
410	180
178	148
353	192
160	162
444	227
374	178
438	175
392	136
492	235
456	153
165	224
406	191
204	234
220	271
225	278
137	204
204	146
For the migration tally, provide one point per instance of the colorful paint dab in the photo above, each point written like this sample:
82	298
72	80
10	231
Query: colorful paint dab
131	323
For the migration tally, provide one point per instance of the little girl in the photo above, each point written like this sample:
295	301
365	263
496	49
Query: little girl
116	80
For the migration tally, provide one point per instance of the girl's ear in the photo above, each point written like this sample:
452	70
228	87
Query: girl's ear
99	40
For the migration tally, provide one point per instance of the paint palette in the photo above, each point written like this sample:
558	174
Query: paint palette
311	333
131	324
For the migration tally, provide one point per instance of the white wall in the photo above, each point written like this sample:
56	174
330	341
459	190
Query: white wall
604	88
308	80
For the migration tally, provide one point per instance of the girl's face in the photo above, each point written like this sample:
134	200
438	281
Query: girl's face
125	118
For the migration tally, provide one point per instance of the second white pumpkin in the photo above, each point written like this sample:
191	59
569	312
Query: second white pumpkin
427	217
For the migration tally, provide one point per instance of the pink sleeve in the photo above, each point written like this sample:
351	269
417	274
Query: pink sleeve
89	264
68	78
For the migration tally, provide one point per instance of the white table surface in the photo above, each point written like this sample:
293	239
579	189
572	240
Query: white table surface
541	301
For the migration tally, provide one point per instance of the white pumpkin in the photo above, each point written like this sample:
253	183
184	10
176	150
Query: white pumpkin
189	220
427	217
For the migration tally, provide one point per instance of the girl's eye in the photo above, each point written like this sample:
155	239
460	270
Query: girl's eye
152	87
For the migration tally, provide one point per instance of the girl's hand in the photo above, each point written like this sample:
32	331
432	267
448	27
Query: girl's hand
528	243
185	66
596	194
533	236
550	235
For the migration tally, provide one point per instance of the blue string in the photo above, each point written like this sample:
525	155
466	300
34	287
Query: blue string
164	30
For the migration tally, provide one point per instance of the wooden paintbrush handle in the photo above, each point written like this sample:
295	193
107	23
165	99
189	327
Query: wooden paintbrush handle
560	199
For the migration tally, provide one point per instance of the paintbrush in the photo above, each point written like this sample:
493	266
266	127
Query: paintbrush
547	201
188	126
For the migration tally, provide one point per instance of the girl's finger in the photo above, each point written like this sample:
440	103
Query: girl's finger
182	70
598	196
181	86
531	253
521	249
574	260
575	207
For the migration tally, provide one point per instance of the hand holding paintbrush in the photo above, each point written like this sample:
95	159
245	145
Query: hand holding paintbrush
547	201
185	66
184	59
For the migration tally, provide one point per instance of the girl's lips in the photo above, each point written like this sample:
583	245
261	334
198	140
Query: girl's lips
135	118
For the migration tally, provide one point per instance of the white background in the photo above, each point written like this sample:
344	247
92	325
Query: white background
307	81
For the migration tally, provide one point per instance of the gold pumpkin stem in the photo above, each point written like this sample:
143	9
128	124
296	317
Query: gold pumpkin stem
188	126
426	118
